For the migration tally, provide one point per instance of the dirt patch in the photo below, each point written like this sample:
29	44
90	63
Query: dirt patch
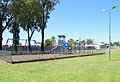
45	57
42	57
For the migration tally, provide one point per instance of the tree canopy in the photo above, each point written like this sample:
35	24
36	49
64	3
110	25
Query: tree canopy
89	41
6	17
31	15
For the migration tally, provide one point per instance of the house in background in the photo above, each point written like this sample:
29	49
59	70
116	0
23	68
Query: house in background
95	46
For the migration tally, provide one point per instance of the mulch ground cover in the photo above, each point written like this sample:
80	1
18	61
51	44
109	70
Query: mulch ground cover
41	57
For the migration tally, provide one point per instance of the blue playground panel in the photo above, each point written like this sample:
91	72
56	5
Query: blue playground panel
65	45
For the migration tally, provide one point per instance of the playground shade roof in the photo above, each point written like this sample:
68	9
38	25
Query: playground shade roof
61	36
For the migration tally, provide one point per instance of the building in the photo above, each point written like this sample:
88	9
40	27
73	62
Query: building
95	46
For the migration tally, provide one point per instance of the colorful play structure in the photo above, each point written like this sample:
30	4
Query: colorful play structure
63	47
62	50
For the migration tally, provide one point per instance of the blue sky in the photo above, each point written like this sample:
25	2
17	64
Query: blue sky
80	19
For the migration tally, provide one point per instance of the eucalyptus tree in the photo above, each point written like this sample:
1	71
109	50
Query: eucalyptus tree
34	13
116	43
48	43
53	40
15	30
46	6
89	41
6	17
26	17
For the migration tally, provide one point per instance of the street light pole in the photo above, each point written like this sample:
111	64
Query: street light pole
110	29
109	35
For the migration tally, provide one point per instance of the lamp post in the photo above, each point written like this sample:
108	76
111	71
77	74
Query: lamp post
109	12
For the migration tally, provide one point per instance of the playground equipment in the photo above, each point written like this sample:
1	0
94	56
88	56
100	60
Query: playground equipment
24	48
63	47
57	52
61	39
54	48
63	44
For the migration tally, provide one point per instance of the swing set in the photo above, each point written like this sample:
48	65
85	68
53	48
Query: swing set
25	48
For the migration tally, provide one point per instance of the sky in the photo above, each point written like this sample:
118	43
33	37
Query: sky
80	19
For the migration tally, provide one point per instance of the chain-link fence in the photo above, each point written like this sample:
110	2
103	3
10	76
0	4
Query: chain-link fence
25	56
6	55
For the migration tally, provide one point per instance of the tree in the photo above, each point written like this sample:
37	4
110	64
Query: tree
116	43
48	43
6	17
71	42
15	30
20	44
27	16
111	44
89	41
47	7
53	40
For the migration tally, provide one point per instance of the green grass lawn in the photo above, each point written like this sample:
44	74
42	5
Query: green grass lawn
82	69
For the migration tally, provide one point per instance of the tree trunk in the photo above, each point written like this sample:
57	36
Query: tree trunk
1	34
1	41
1	37
16	48
42	44
29	45
15	42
